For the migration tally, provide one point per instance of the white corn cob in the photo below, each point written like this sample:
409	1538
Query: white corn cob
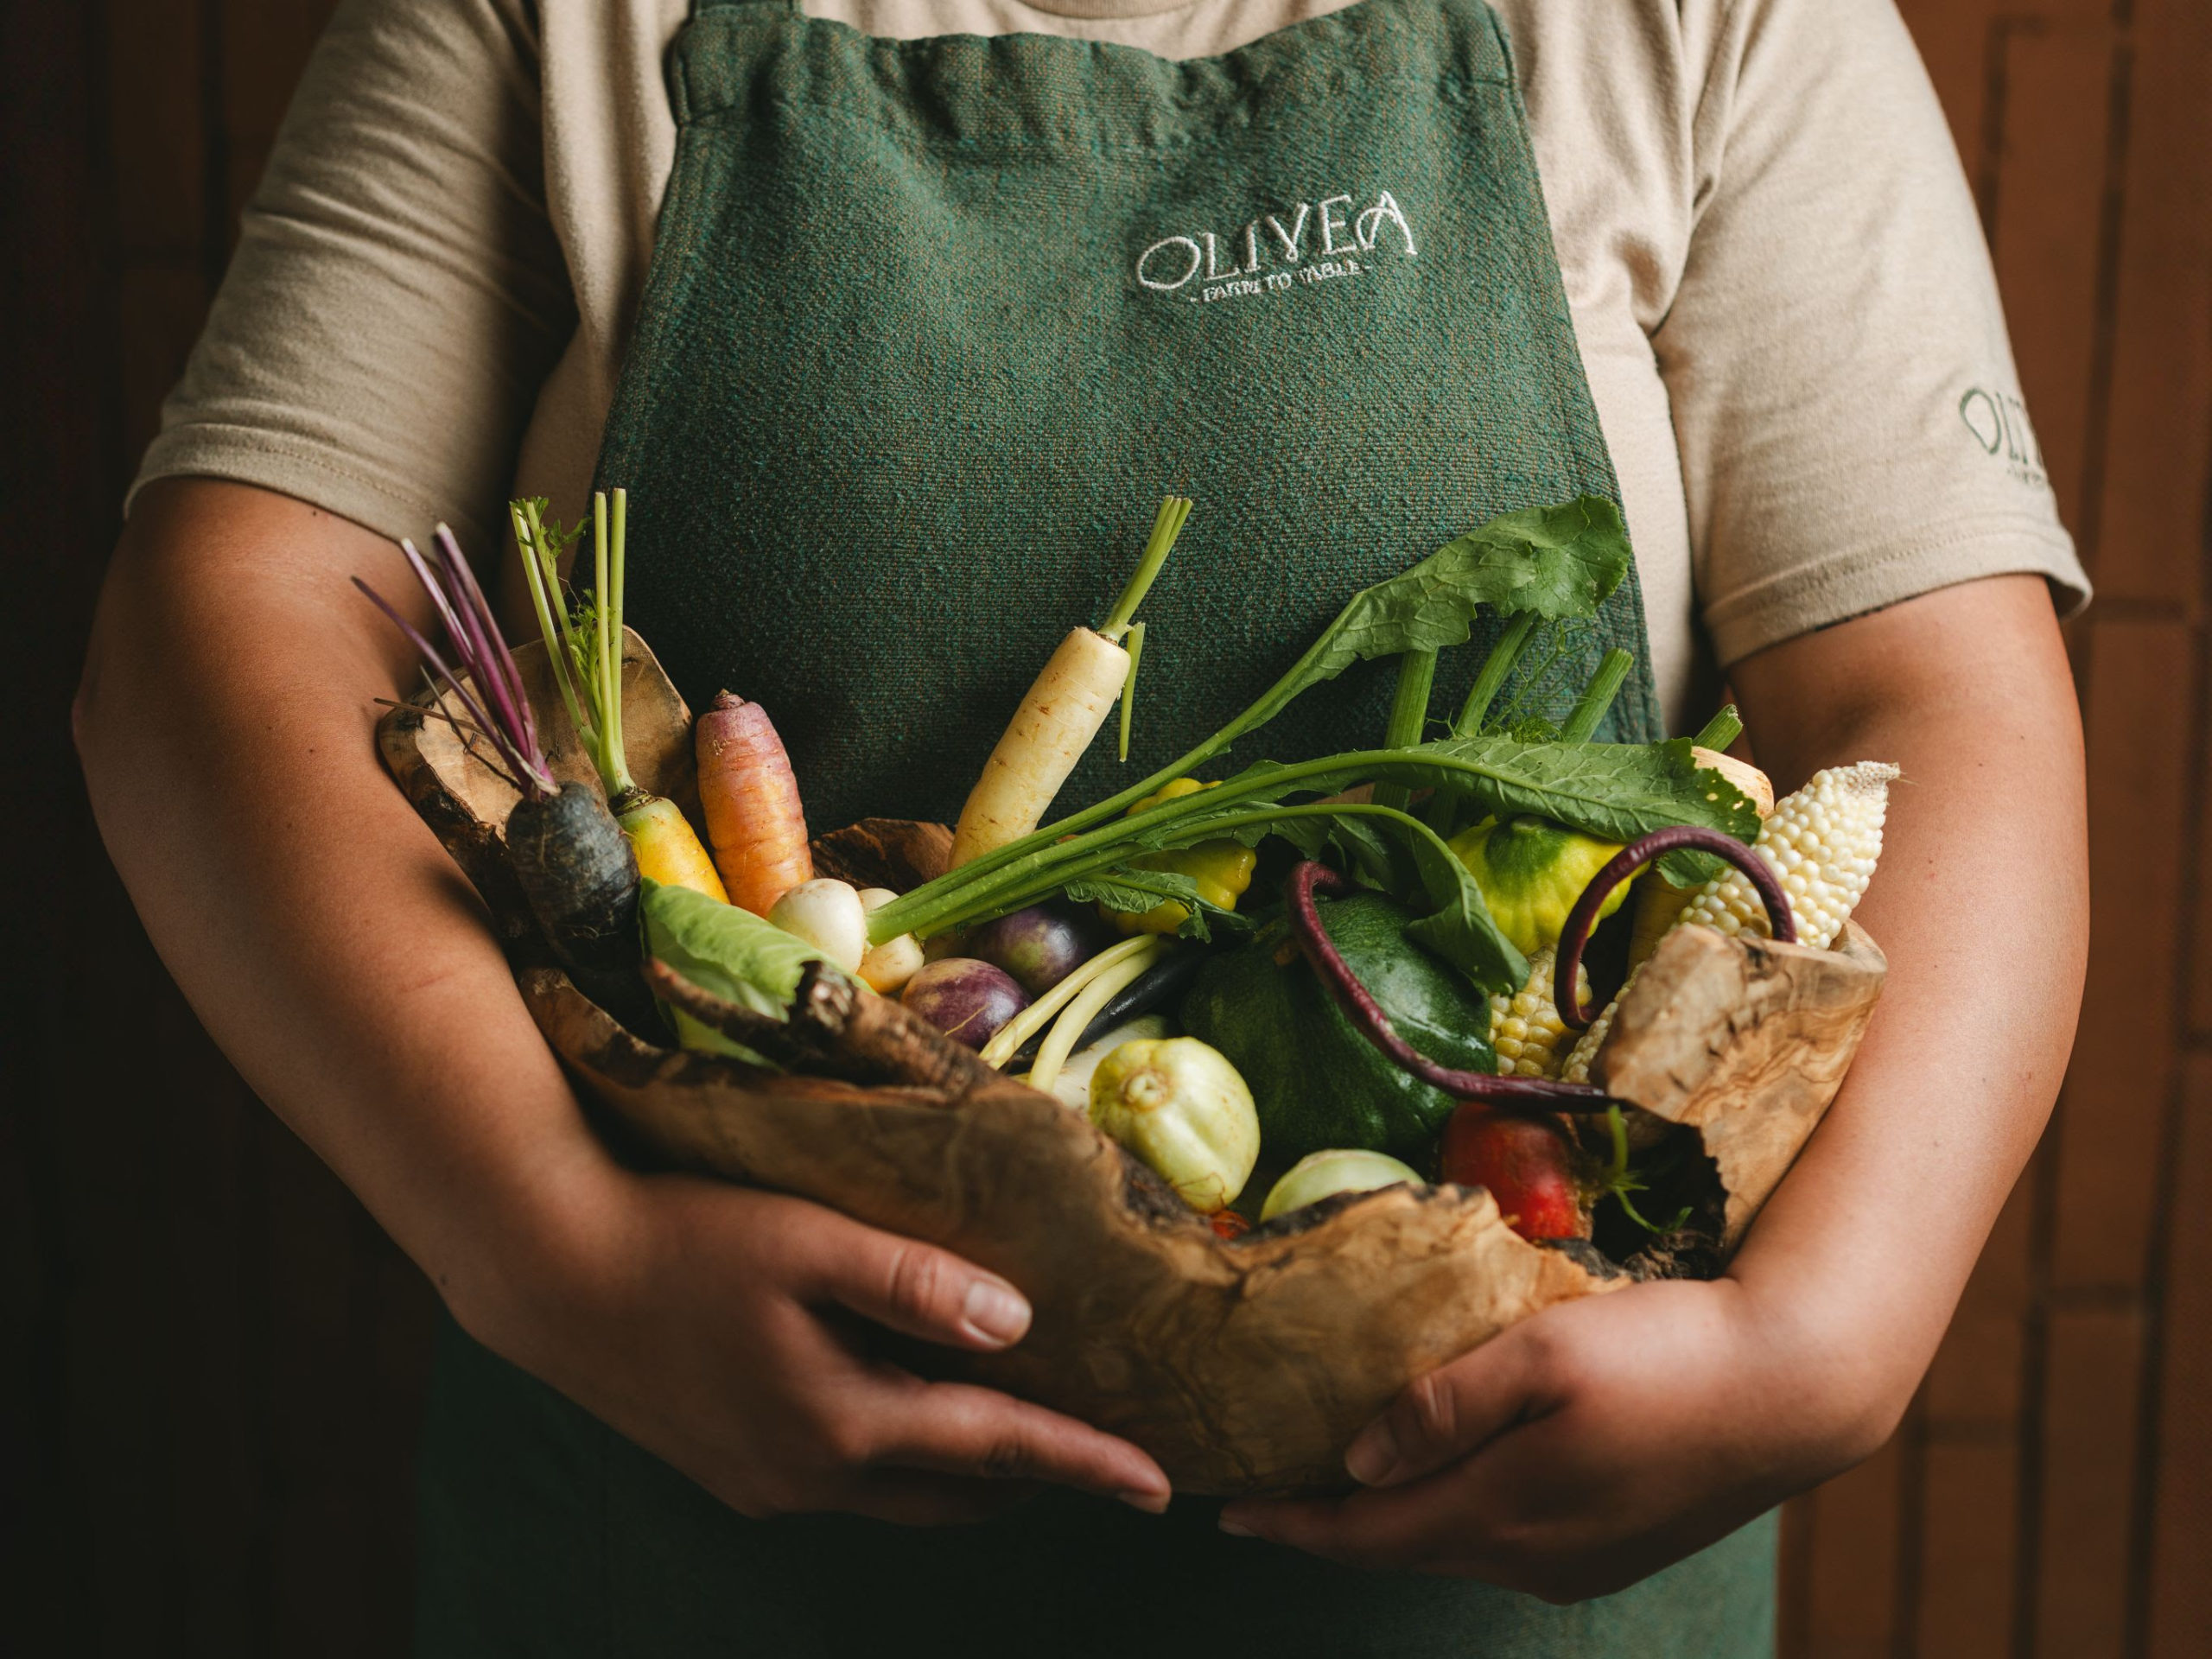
1525	1028
1821	843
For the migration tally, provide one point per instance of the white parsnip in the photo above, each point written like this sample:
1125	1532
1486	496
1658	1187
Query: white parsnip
1063	711
1049	733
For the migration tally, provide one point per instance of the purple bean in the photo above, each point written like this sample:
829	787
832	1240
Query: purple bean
1540	1094
1575	936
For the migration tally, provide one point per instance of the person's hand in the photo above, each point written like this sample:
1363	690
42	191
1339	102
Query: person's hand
726	1331
1596	1443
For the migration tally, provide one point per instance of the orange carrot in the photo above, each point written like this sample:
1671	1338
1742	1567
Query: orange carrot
755	821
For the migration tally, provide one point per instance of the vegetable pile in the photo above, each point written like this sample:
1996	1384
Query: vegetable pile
1275	986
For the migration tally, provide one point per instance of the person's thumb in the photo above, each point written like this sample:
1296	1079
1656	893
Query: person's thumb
1443	1416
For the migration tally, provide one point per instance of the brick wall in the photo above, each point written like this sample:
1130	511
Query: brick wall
2051	1492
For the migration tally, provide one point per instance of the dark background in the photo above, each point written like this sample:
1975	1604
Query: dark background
214	1359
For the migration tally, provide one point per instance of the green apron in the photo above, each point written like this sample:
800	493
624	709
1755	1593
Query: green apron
931	326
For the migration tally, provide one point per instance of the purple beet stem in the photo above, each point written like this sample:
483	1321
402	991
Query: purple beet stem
1368	1020
1625	863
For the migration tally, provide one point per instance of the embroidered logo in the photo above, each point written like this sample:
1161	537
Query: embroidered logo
1999	423
1317	242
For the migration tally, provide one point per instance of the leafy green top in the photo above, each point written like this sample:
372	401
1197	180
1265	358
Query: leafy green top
1547	563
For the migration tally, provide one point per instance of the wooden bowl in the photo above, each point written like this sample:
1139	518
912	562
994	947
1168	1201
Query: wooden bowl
1244	1366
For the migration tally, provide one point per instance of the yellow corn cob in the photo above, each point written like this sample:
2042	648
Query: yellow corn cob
1821	842
1525	1028
1577	1068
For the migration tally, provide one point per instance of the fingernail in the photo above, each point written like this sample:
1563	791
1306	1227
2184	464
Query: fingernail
995	1311
1373	1455
1236	1528
1150	1503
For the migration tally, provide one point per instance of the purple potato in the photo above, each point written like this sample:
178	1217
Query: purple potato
1040	946
966	999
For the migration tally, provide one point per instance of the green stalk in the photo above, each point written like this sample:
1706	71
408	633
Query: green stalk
1598	697
1166	525
1446	804
1044	864
1721	730
1075	861
1408	719
1495	669
614	766
545	575
595	643
1129	685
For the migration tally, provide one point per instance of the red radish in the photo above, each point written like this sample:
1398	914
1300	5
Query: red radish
1529	1166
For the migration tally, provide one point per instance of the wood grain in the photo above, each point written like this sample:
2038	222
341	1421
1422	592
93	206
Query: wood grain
2089	1440
2119	1092
2180	1609
1745	1041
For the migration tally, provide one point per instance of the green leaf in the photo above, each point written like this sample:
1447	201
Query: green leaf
1461	929
1554	562
729	952
1408	859
1568	558
1367	853
1126	888
1616	791
1688	867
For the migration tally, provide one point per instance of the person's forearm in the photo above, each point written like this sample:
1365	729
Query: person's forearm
321	933
1981	903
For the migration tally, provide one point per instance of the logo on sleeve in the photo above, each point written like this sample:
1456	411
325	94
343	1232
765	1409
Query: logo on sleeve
1317	242
1999	423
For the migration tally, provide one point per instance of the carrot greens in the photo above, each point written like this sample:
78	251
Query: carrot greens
584	642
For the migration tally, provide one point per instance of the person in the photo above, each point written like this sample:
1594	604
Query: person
895	316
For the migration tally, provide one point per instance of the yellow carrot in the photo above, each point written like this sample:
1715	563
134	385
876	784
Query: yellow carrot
668	849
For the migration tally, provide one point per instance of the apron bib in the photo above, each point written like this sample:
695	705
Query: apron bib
932	326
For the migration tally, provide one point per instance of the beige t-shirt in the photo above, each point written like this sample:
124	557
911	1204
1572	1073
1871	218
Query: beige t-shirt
1784	302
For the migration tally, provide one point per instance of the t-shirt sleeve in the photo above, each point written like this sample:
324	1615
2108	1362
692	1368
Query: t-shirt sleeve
397	296
1850	420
